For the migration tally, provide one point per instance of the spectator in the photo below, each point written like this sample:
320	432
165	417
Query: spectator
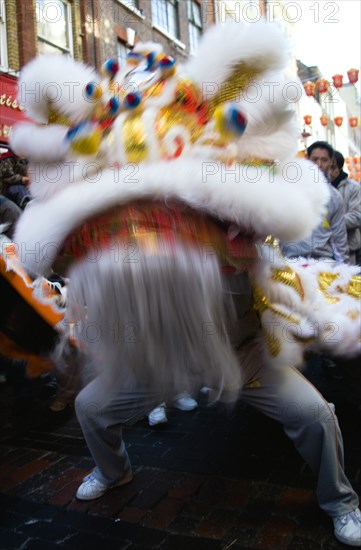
9	214
329	240
13	178
351	195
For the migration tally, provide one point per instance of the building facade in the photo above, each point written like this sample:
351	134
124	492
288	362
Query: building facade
113	27
91	31
29	28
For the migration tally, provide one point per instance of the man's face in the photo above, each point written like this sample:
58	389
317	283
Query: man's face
322	158
334	170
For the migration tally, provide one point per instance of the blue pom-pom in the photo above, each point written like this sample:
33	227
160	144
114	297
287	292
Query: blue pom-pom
167	63
237	122
93	90
132	100
111	67
134	57
151	57
113	105
74	130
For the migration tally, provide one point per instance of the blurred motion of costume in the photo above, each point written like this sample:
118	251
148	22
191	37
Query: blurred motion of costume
168	177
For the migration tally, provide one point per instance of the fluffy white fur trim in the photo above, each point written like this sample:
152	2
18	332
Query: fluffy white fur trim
271	130
57	81
286	203
258	44
40	143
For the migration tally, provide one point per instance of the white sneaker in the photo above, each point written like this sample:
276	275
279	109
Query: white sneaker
184	402
91	488
157	415
348	528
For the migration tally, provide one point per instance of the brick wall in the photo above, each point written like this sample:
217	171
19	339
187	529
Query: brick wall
26	18
77	30
12	34
121	17
91	13
96	25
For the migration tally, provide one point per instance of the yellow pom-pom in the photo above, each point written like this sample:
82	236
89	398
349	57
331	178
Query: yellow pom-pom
230	120
219	120
87	144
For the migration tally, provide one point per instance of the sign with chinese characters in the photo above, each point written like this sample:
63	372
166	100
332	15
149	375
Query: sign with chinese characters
10	109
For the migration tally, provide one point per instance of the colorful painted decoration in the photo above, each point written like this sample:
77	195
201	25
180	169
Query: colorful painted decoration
308	119
187	95
338	120
85	138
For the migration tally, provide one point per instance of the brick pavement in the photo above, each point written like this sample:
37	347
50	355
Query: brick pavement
208	479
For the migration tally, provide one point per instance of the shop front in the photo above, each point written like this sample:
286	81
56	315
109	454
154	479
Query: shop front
10	109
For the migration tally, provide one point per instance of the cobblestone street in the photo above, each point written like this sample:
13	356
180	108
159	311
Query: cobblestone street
208	479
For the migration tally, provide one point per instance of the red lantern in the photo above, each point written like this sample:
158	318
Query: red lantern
338	120
309	87
322	85
307	119
337	80
353	120
324	120
353	75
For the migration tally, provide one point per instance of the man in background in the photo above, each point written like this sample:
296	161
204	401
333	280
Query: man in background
351	196
329	240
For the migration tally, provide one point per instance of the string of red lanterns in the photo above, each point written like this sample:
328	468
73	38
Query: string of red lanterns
353	120
324	120
322	85
338	120
354	167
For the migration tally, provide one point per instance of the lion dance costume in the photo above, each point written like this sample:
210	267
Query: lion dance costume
152	178
164	190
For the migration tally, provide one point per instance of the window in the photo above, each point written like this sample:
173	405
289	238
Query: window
130	3
54	31
123	51
194	24
3	40
132	6
165	16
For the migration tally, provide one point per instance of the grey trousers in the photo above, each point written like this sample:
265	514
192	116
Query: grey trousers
285	395
102	409
281	393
